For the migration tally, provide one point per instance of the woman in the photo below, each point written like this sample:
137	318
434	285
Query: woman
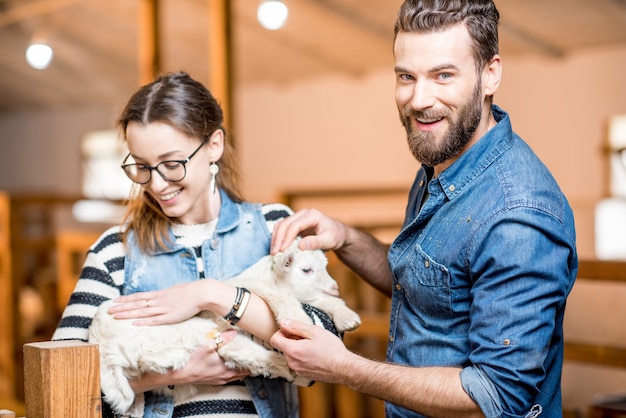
187	228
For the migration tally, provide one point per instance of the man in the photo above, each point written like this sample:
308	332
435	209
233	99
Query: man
481	270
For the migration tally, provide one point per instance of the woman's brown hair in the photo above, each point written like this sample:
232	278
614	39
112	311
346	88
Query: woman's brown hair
188	106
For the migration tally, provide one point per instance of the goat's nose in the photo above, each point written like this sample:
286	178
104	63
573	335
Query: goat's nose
333	289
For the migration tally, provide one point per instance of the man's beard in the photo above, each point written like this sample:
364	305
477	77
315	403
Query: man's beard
424	145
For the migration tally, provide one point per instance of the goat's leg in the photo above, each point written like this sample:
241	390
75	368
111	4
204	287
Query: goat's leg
117	391
344	318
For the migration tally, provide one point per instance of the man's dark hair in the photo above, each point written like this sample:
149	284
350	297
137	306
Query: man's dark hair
479	16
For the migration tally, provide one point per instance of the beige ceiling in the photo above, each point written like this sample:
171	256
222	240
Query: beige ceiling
96	42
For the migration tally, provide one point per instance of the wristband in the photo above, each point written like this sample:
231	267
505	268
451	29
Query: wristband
242	306
230	315
239	307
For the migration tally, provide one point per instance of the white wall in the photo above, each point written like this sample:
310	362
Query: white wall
40	151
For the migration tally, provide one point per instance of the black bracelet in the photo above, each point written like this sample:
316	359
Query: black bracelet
242	306
230	315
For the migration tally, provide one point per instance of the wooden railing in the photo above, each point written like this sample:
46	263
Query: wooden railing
601	355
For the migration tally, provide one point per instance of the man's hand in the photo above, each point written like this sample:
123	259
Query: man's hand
318	232
306	348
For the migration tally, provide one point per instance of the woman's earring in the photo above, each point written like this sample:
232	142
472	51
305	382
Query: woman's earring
213	169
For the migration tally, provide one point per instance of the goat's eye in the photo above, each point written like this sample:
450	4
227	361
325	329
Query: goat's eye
307	271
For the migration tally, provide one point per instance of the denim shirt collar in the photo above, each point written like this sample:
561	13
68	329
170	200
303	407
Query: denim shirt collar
476	159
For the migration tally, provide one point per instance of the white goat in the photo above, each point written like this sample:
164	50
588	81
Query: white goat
284	281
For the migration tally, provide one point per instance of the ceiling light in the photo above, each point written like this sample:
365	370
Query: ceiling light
39	55
272	14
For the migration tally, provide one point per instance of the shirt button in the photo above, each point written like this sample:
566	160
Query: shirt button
398	287
426	264
391	338
451	188
215	243
507	342
421	183
262	393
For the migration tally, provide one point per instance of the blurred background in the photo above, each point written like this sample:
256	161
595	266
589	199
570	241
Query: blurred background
310	107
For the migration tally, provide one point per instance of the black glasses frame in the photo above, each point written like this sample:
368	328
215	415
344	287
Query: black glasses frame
156	167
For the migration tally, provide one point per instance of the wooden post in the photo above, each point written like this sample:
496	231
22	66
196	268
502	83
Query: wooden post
7	307
62	380
219	56
149	44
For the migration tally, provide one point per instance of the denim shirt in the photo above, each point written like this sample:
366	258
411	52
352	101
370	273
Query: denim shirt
241	238
481	273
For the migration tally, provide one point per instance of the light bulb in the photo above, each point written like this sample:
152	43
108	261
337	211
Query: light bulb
39	55
272	14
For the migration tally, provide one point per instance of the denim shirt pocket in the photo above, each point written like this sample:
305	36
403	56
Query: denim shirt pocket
429	286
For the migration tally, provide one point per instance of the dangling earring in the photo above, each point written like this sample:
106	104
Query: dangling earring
213	169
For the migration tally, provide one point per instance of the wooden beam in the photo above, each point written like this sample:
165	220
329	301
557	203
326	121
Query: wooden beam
538	44
602	270
7	304
219	55
149	44
28	10
595	354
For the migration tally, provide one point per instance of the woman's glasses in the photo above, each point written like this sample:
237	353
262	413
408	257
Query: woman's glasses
170	170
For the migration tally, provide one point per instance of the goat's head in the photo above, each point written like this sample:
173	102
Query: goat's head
305	272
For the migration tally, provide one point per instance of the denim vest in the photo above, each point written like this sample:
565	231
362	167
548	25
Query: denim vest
241	238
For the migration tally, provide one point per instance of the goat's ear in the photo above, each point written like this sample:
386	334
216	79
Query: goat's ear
282	262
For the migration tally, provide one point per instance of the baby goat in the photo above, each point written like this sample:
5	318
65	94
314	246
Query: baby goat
284	281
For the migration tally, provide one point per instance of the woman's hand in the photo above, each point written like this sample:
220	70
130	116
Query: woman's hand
205	367
167	306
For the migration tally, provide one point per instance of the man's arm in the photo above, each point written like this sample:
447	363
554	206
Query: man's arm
432	391
367	257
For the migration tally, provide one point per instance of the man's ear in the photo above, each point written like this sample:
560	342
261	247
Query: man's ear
492	74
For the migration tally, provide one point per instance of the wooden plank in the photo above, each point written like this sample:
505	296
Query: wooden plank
149	44
373	325
314	400
71	248
29	10
62	380
602	270
595	354
7	308
219	56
